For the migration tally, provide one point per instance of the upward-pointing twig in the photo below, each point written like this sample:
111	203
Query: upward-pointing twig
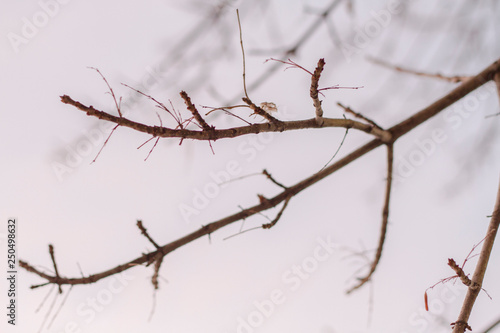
194	111
314	91
52	256
243	54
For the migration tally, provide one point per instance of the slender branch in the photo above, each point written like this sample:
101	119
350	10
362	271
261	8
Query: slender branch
301	41
277	126
477	278
338	149
278	216
359	115
268	175
385	220
156	274
243	54
442	103
52	256
145	233
117	105
453	79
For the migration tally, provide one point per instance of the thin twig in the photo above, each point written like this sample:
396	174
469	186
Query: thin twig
105	142
338	149
177	117
268	175
45	299
52	256
243	54
478	276
292	64
359	115
226	111
117	105
385	219
145	233
453	79
49	311
60	307
292	50
154	278
278	216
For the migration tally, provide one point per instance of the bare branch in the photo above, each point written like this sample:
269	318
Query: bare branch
276	219
276	126
453	79
145	233
385	220
477	278
51	252
268	175
338	149
243	55
105	143
301	41
359	115
117	105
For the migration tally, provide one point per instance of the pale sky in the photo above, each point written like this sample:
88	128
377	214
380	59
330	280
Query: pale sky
293	277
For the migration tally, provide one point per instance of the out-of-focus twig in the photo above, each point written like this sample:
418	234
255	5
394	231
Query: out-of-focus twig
453	79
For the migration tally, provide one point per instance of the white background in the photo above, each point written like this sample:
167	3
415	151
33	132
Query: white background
88	211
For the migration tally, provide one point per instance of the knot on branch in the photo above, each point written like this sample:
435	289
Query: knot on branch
57	278
463	324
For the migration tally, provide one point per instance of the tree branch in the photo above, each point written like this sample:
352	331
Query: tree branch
477	279
215	134
397	131
385	220
453	79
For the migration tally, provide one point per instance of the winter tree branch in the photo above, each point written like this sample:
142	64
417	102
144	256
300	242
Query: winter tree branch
475	284
387	137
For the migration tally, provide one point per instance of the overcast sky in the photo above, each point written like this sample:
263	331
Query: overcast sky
293	277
